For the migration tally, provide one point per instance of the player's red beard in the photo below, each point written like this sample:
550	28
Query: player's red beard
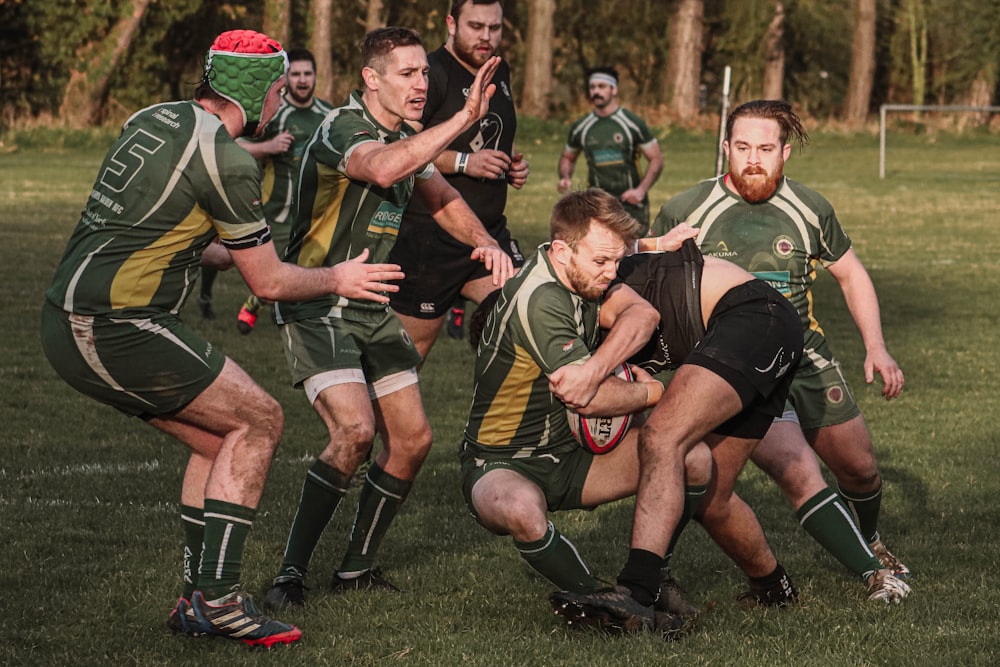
756	190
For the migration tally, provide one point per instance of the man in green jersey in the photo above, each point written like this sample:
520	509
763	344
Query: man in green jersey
175	189
280	150
612	139
537	353
780	230
352	356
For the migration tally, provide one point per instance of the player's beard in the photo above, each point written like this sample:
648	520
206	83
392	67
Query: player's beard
588	290
756	190
466	51
301	99
599	101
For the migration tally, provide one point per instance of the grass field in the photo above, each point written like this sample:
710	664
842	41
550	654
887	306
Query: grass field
90	536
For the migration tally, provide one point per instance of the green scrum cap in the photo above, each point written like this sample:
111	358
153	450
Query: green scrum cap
241	66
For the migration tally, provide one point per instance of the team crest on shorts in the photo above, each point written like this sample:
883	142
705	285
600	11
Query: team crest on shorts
783	247
835	395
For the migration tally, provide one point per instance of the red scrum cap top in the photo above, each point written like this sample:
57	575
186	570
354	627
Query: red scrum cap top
242	65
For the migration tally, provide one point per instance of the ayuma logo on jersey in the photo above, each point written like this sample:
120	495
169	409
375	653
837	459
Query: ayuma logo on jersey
386	219
783	247
722	250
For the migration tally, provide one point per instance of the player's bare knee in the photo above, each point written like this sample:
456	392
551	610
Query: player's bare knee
267	419
353	434
698	465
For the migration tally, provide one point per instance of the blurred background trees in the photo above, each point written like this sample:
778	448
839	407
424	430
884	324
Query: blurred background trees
85	62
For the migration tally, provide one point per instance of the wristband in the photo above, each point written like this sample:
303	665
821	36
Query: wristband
654	392
460	162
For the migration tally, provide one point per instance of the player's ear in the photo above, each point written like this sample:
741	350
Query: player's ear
370	77
562	251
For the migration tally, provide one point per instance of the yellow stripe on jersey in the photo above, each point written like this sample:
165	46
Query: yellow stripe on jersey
329	200
502	419
139	278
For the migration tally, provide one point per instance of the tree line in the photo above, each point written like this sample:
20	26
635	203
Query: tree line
86	62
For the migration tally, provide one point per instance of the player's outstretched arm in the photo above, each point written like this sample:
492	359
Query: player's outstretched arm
271	279
387	164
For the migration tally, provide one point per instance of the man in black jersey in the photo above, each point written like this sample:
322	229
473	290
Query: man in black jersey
734	342
481	163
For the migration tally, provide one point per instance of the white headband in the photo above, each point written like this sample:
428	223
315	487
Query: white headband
601	77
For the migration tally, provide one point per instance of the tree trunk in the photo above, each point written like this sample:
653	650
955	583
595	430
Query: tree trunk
859	85
683	72
774	58
538	72
374	19
319	44
277	18
87	90
917	21
980	95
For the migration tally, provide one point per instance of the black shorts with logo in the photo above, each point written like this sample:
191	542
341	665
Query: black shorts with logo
437	269
754	342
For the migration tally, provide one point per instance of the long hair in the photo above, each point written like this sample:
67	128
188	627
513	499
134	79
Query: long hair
776	110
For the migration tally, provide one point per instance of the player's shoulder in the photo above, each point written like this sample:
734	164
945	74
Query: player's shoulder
816	202
631	115
582	121
321	107
681	204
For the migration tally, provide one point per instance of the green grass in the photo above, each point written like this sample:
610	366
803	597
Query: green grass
90	536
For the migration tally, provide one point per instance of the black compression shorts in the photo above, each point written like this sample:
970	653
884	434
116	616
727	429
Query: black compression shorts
754	342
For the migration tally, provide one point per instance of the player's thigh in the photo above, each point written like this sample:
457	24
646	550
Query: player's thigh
144	366
401	417
614	475
847	450
234	402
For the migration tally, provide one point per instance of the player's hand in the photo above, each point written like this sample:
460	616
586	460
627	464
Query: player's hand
488	164
564	185
633	196
496	261
672	240
517	174
216	256
575	384
356	279
477	104
881	362
281	143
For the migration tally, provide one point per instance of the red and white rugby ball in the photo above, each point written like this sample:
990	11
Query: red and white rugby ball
601	434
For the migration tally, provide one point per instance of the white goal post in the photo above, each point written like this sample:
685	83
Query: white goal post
917	107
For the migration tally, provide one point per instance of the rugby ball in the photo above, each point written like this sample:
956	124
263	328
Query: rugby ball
600	435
